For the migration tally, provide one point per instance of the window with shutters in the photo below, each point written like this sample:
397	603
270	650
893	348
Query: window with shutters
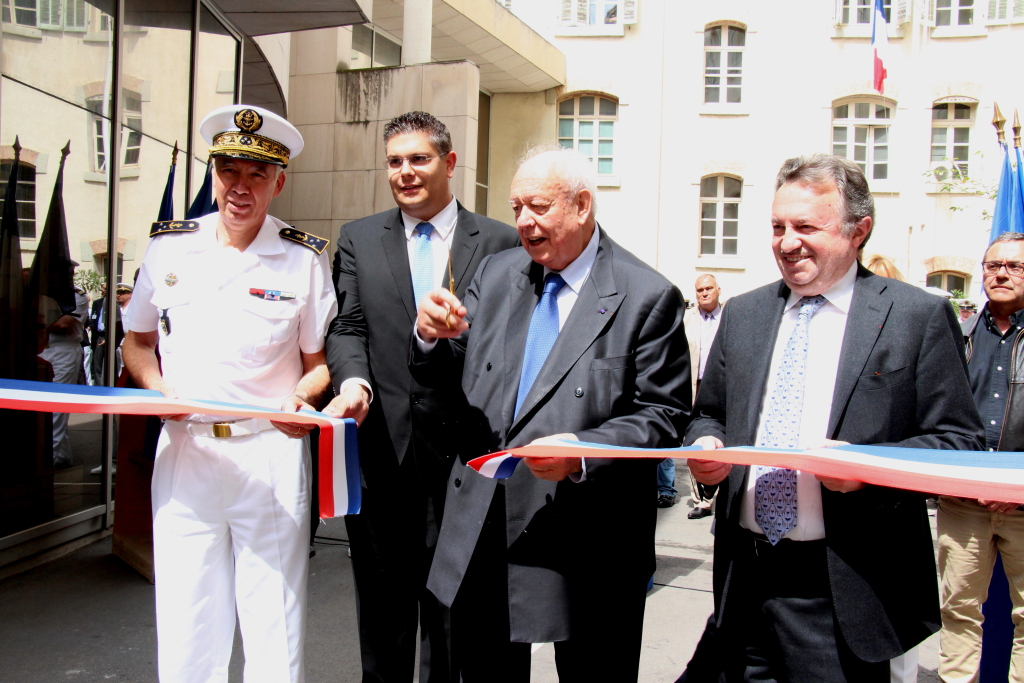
52	15
862	11
587	124
25	196
1005	12
596	17
723	64
131	131
860	132
951	140
720	197
954	12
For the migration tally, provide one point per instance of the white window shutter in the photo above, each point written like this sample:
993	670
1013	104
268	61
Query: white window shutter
929	14
837	11
629	11
74	15
996	11
566	18
1018	11
582	13
49	14
900	12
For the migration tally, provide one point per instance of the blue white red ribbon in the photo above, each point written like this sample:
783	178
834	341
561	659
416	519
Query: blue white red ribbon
966	474
338	460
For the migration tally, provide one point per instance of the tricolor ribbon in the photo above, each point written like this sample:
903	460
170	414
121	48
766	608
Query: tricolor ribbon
966	474
338	460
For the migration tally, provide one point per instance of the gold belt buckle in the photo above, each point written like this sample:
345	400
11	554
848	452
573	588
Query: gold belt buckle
221	430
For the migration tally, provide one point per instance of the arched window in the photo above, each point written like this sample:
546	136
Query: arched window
26	195
720	197
860	131
723	63
954	283
587	123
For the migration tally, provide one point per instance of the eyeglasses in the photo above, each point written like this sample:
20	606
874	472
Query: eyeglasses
1013	268
416	161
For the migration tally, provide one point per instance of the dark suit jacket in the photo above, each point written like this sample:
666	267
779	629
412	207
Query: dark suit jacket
902	380
617	374
369	337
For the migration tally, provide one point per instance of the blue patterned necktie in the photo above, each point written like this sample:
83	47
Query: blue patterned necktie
541	337
775	488
422	263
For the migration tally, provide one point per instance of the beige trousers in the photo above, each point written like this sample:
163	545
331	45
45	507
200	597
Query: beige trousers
969	536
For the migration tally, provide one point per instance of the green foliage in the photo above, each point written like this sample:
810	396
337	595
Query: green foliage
89	280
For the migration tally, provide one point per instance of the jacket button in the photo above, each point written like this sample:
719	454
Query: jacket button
458	482
488	366
579	391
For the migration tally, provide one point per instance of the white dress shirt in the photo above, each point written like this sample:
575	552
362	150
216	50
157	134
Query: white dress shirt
708	330
825	333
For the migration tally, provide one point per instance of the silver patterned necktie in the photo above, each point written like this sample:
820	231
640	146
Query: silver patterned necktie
775	489
422	262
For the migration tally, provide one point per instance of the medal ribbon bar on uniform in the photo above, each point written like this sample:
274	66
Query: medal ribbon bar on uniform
338	459
989	475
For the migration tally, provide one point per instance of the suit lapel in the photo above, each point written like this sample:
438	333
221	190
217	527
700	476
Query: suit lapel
758	356
397	251
868	312
594	309
464	246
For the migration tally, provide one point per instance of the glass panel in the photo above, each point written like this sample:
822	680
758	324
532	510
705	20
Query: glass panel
708	210
839	133
860	134
606	129
960	152
608	107
881	112
586	147
735	59
711	95
881	154
566	144
713	59
860	153
604	148
861	110
841	112
214	82
709	187
881	136
955	283
586	129
732	95
881	172
938	153
713	36
961	111
934	280
362	42
939	136
386	52
730	228
483	141
733	188
729	247
604	166
961	135
566	108
965	16
586	106
707	228
942	17
863	15
730	211
737	37
940	112
707	246
839	150
611	12
565	128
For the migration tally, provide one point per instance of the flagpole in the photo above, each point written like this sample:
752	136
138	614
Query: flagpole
998	120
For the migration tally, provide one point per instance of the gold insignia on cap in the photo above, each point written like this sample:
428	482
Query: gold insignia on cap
171	279
248	120
249	146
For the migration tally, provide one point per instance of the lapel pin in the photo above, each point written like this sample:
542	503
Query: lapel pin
603	310
171	279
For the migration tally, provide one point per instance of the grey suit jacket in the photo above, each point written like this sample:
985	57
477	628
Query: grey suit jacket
902	381
376	312
618	374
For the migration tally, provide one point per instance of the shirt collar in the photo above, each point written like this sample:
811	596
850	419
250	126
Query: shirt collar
268	241
713	314
990	322
575	274
839	295
443	222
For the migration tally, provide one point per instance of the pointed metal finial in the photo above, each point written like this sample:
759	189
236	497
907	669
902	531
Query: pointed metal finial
65	152
998	120
17	148
1016	129
174	154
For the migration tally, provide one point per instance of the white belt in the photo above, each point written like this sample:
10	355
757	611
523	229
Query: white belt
226	430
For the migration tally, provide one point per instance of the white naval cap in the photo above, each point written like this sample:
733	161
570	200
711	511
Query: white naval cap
231	131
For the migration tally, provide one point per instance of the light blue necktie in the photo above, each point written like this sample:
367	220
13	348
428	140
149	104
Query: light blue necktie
422	263
775	490
541	337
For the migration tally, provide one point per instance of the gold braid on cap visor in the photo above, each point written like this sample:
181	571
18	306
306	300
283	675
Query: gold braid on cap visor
238	143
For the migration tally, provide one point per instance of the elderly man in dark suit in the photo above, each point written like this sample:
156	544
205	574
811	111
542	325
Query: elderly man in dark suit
384	264
571	337
819	579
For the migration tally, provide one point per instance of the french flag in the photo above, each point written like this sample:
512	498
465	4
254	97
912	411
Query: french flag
879	43
496	465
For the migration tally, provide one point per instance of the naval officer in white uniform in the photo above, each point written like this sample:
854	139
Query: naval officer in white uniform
238	304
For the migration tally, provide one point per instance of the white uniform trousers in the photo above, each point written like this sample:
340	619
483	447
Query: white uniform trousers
230	526
66	360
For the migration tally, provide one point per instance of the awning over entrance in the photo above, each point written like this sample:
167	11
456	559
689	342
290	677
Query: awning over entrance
262	17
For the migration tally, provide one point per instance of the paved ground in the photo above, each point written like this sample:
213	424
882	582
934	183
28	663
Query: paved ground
89	617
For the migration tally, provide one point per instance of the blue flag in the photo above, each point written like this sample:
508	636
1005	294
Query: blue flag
205	202
1003	215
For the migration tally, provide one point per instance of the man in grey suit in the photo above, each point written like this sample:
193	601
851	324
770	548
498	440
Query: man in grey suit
572	337
383	265
820	579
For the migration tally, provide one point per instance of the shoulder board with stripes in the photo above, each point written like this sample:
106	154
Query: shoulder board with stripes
163	227
317	244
